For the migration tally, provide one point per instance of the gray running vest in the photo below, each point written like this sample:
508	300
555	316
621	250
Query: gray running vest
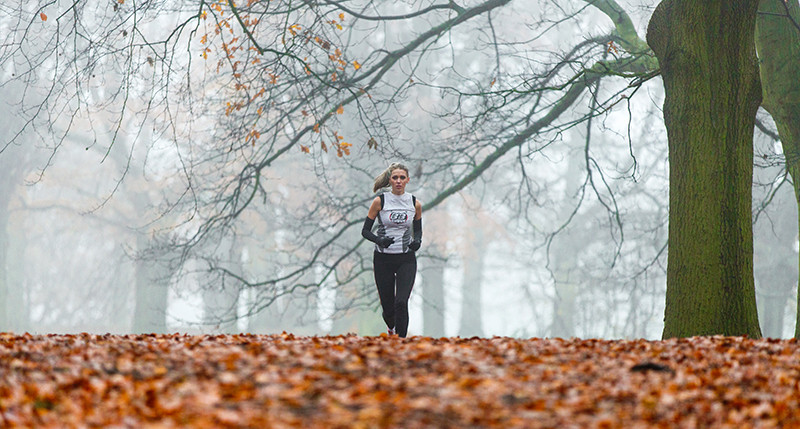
394	220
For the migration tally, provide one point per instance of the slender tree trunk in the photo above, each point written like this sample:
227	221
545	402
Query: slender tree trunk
471	317
18	306
266	317
152	281
6	289
300	315
221	299
708	63
13	316
266	321
775	260
219	307
778	45
564	307
563	261
347	317
300	307
433	305
564	248
771	309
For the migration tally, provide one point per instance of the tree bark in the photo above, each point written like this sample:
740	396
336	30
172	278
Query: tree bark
778	45
708	64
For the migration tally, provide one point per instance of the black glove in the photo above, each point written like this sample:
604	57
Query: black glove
417	241
384	242
366	232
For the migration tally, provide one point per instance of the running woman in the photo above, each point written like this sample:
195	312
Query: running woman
397	238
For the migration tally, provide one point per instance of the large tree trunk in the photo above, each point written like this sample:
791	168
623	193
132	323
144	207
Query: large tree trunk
708	63
778	45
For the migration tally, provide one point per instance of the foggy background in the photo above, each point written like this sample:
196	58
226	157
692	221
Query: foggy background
563	236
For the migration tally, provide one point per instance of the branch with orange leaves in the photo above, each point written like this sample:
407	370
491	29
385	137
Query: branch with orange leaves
262	50
376	73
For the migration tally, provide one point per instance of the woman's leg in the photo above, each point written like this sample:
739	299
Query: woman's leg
384	271
406	273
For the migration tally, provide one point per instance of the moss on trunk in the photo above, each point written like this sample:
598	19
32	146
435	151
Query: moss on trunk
708	64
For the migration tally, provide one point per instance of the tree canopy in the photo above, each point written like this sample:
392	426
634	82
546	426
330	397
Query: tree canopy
215	100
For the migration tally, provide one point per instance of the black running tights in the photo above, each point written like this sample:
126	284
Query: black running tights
394	276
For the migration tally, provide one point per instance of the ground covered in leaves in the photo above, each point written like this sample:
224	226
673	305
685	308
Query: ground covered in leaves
351	381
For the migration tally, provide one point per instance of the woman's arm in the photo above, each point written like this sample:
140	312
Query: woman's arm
374	208
366	230
417	225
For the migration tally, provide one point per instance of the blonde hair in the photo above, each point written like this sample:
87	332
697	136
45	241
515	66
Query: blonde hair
382	180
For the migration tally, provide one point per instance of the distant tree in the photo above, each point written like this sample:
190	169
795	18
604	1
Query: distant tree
13	167
433	302
778	43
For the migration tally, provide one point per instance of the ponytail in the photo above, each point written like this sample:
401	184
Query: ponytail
382	180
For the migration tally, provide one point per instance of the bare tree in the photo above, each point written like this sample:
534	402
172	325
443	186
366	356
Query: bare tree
242	91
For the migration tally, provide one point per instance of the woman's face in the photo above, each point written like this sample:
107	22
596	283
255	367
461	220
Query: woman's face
399	179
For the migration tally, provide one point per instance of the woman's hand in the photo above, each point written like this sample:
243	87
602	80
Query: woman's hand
384	242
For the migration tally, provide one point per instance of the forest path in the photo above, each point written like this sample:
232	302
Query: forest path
213	381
